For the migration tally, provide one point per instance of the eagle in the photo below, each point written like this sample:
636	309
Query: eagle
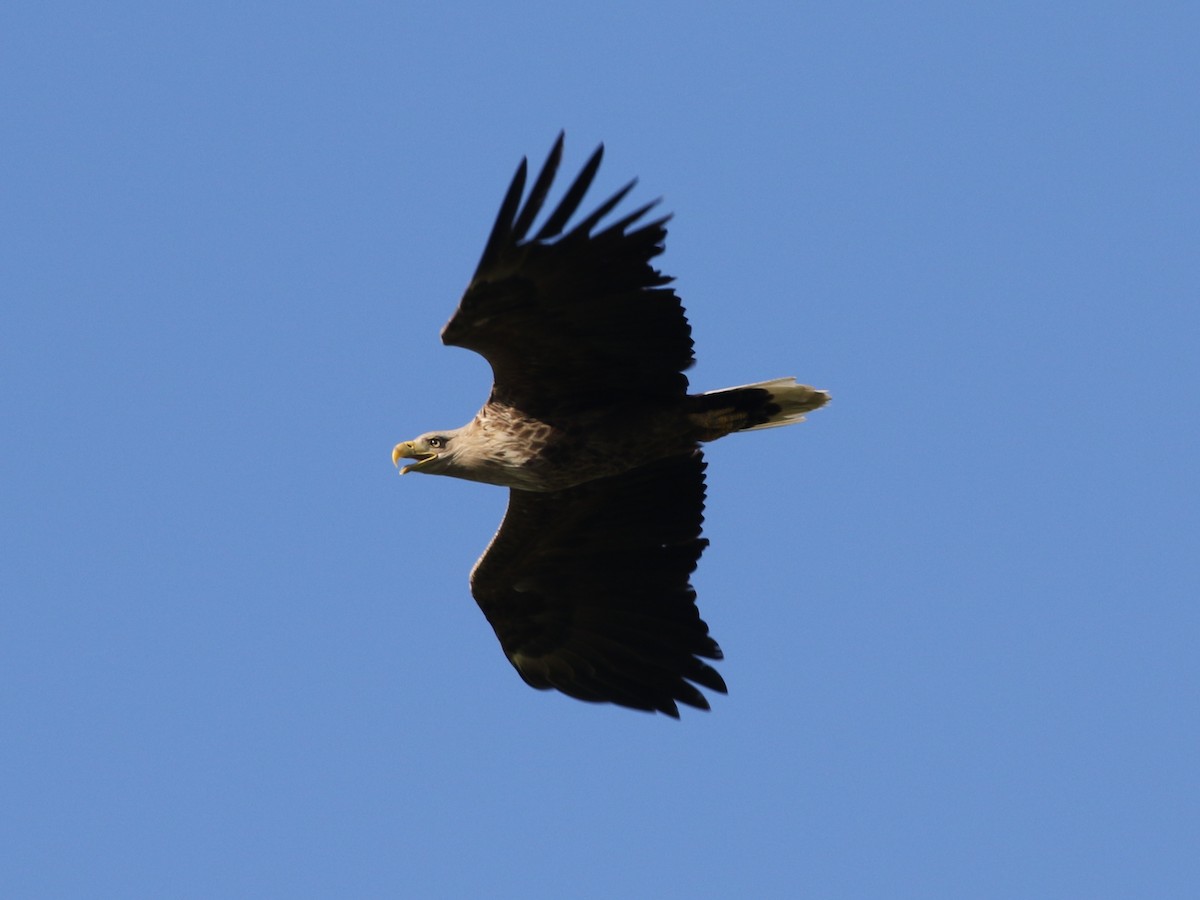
590	426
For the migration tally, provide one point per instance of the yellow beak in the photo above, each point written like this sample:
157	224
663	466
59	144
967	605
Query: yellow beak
408	450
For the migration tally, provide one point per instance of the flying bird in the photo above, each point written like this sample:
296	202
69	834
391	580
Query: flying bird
590	426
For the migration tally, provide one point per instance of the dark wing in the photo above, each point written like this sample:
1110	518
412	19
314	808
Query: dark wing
576	318
588	588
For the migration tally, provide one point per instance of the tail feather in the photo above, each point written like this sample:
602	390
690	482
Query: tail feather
750	407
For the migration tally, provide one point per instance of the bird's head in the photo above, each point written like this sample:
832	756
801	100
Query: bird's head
433	452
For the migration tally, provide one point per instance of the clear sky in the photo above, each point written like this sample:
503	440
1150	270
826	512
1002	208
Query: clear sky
238	656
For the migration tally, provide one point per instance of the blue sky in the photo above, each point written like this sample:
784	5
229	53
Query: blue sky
238	656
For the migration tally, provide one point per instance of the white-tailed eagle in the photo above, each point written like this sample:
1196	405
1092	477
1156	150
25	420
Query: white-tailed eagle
591	427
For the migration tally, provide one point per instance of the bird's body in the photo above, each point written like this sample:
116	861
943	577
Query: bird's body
591	427
506	447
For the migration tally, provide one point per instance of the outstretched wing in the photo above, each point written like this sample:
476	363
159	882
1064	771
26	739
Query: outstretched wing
576	318
588	588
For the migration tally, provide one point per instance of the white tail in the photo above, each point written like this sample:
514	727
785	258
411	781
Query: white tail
793	400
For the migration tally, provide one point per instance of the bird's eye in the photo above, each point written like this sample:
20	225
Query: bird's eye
436	442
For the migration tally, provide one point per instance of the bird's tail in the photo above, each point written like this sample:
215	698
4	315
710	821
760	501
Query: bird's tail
750	407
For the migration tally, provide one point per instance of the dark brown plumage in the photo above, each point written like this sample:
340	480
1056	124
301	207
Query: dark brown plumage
590	425
573	320
588	588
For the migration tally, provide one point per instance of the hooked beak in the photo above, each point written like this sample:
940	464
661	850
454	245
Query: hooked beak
408	450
